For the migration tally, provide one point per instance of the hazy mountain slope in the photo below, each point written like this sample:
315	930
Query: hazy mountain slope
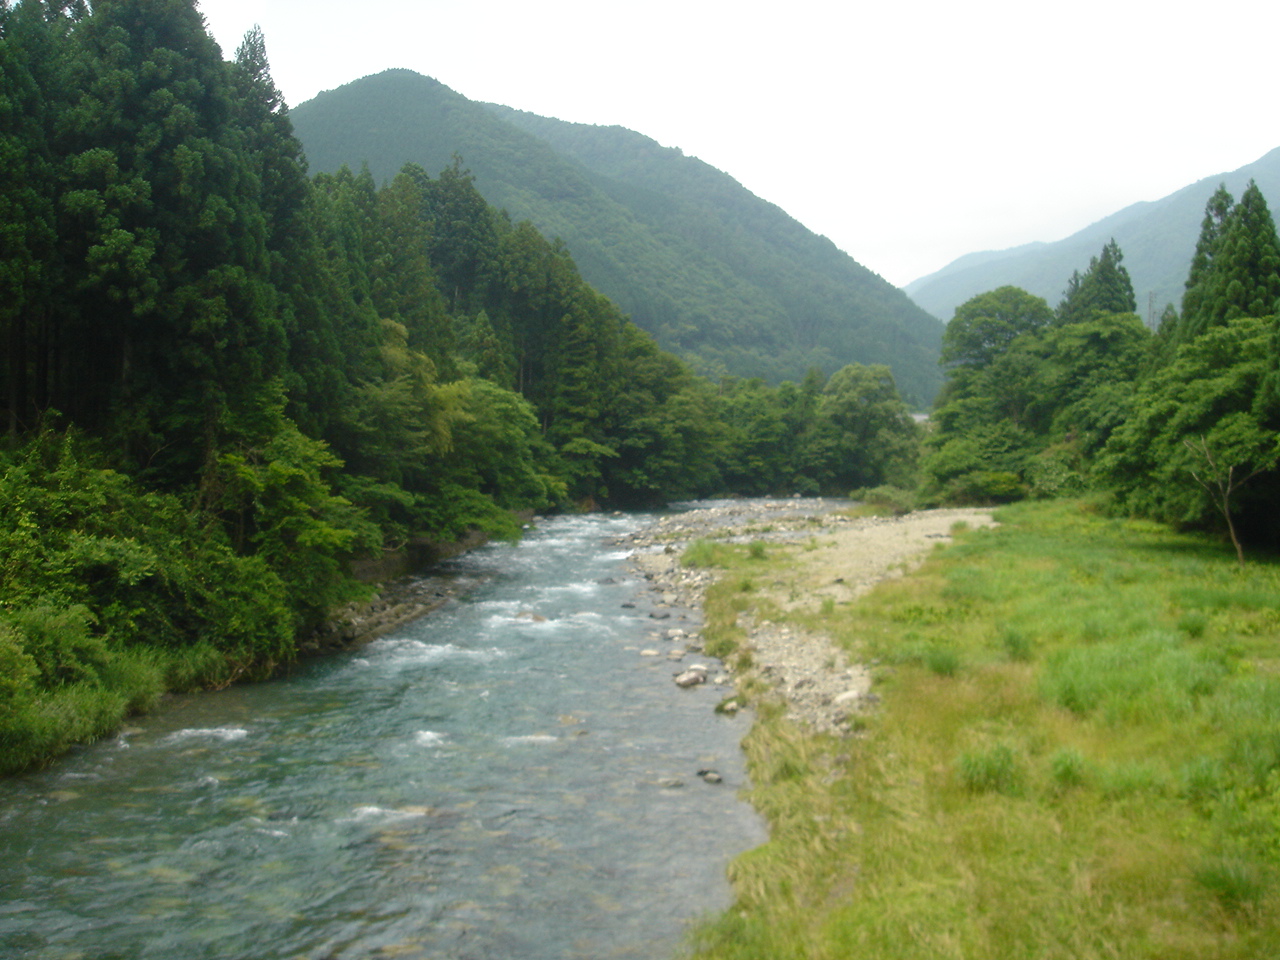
1157	237
712	271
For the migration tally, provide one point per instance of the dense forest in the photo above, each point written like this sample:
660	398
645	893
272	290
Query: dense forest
726	280
223	378
1177	424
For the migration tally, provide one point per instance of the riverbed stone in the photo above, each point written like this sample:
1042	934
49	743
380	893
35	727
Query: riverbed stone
692	677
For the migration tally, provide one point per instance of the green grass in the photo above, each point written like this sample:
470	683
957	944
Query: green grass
1077	755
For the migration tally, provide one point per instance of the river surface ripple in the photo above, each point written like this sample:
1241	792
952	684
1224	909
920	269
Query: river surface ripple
487	782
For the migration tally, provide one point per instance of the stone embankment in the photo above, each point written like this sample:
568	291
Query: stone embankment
841	558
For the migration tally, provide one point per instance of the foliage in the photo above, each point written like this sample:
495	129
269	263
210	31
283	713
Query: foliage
985	326
724	279
112	595
1236	270
1103	289
887	499
1207	396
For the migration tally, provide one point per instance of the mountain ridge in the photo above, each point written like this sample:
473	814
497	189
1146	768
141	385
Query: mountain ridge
1157	237
725	278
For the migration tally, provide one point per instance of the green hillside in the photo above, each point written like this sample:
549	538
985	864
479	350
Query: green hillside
715	273
1157	238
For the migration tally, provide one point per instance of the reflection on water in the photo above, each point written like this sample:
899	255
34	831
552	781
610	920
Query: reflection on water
491	781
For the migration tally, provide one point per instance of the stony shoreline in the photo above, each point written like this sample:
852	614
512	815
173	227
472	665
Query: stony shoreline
843	558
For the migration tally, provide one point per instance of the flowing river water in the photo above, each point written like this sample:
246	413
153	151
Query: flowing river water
495	780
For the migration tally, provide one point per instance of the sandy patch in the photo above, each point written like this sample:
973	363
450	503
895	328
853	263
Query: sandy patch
839	558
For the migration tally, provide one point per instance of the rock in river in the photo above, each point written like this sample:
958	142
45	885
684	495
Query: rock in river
695	675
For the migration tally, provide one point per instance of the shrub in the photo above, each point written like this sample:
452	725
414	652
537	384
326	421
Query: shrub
984	488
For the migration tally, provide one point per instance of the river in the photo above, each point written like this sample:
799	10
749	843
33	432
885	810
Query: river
504	778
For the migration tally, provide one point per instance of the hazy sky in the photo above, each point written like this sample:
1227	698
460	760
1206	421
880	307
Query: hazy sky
910	132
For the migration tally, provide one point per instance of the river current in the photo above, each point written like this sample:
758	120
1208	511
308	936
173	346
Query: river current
504	778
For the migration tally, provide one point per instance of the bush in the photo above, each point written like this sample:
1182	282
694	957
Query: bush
1056	473
984	488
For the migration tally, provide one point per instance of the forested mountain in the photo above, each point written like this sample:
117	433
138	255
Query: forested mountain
716	274
1157	237
222	380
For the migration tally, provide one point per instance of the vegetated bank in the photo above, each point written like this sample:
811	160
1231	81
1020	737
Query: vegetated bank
1074	753
224	380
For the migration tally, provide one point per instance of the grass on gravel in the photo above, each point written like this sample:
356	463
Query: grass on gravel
1077	755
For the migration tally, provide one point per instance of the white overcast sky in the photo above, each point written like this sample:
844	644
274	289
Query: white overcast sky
910	132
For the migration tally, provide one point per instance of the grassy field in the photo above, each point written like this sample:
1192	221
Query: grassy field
1076	755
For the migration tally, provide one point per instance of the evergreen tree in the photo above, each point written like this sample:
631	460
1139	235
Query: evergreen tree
403	282
34	95
1242	275
1216	212
1104	288
464	237
172	328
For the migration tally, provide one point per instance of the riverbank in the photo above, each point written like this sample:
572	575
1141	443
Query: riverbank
1070	751
837	559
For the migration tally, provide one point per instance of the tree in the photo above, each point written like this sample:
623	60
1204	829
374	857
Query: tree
877	440
1242	276
985	326
33	57
171	326
1090	367
1235	453
1216	212
1196	424
1103	288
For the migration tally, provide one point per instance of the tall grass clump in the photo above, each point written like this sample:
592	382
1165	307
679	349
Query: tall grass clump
1152	678
1068	769
994	769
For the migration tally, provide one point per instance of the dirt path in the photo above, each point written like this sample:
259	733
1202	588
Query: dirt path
842	559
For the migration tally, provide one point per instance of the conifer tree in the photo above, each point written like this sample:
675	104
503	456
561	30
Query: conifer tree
1242	274
1216	212
32	55
172	329
1104	288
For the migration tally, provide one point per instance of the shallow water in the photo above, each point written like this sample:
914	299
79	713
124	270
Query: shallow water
490	781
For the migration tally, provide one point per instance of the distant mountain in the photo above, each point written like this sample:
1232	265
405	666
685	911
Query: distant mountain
1157	237
714	272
